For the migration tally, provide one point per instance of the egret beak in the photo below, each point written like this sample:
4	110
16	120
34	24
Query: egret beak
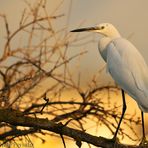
85	29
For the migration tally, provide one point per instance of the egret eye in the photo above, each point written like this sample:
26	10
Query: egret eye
102	27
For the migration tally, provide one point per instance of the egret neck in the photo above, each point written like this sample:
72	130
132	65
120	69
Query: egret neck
109	34
103	42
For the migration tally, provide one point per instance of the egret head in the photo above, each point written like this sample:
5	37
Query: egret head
105	29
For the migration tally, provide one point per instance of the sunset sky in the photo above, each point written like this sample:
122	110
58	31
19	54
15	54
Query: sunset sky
129	16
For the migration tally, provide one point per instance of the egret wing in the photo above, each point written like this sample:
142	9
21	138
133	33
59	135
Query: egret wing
128	69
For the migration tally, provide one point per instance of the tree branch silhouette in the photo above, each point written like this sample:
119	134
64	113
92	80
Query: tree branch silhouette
17	118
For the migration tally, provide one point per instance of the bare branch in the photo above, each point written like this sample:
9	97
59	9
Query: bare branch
16	118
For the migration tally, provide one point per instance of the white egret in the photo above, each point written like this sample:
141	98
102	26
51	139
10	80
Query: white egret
126	66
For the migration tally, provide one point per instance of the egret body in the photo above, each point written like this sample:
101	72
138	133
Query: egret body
125	64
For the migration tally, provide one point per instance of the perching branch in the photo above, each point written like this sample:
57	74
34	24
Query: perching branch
17	118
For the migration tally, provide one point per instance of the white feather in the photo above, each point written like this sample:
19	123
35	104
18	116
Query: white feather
129	70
